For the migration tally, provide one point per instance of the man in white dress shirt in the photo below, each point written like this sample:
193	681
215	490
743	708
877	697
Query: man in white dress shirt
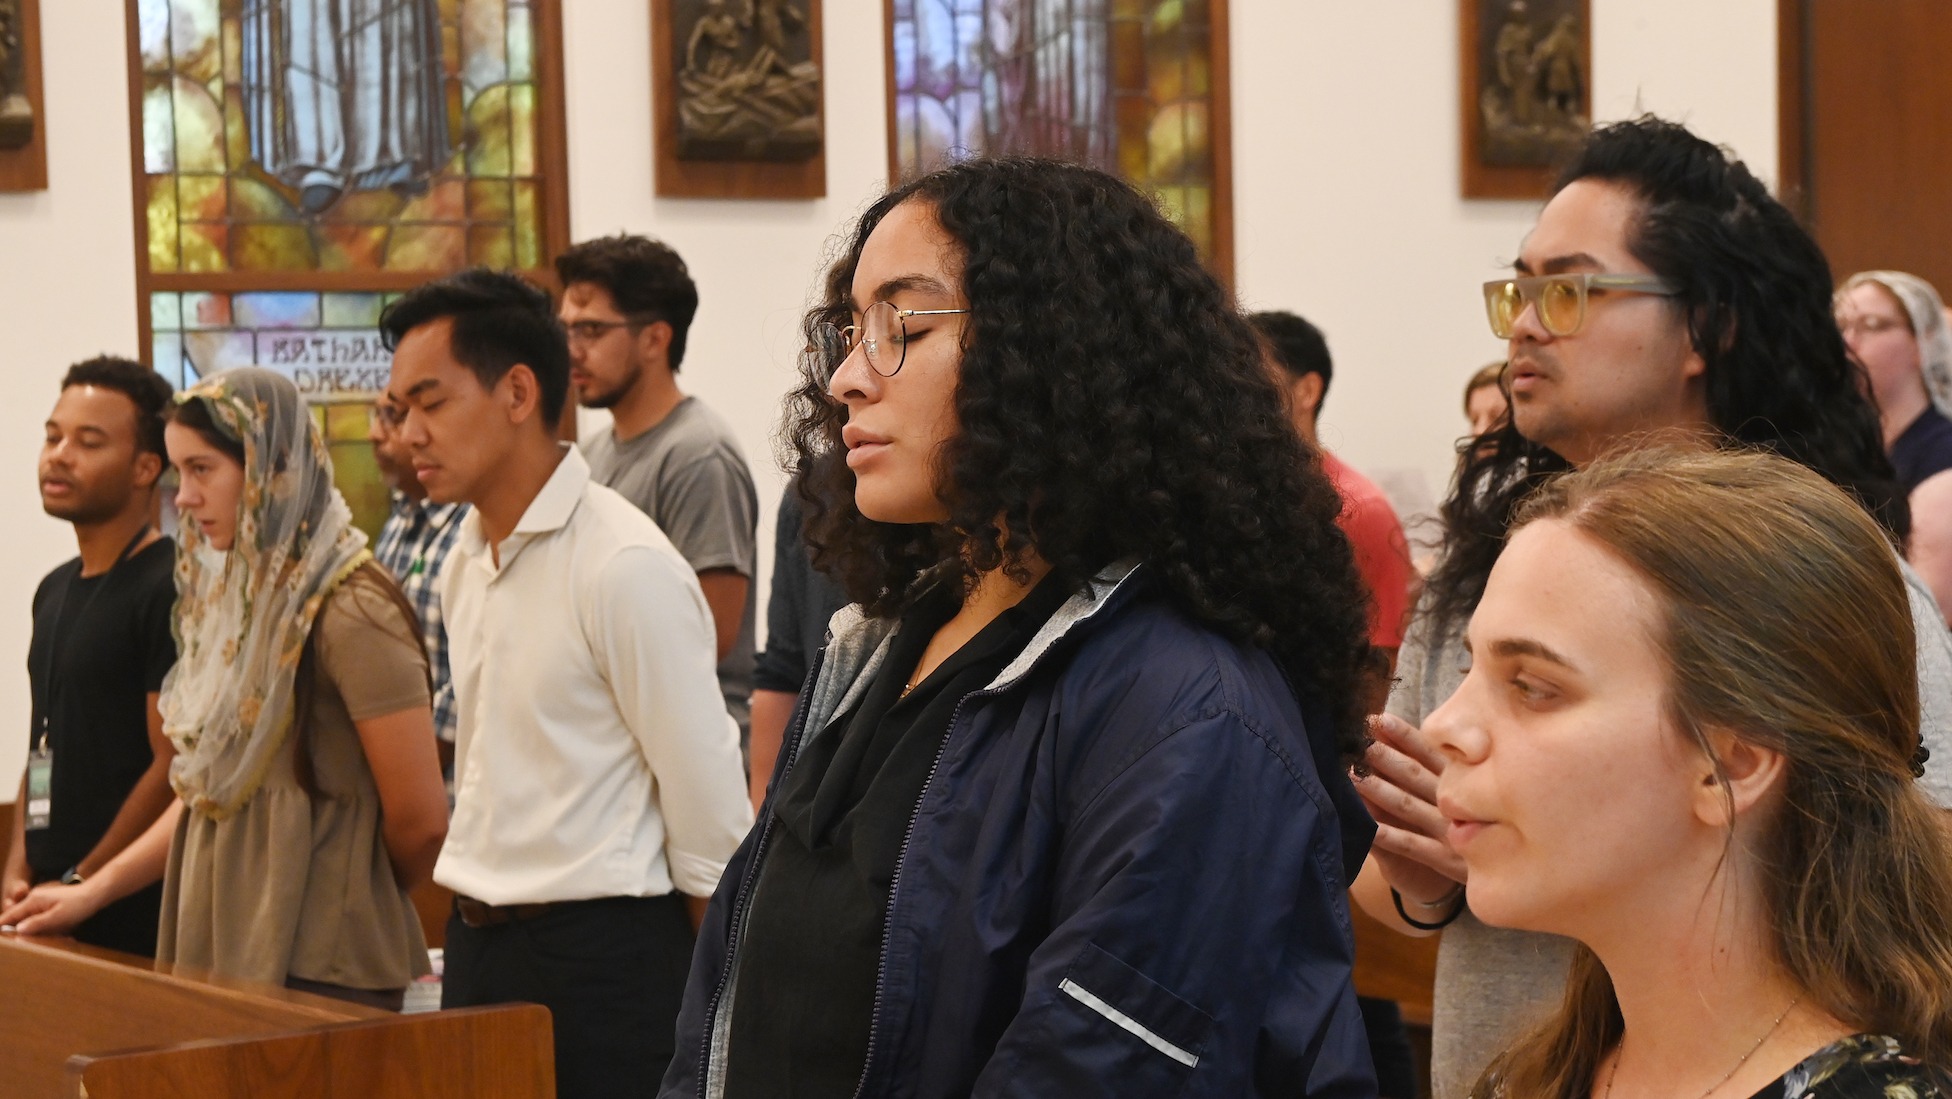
598	787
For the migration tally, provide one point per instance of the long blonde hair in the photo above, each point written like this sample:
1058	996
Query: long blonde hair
1786	623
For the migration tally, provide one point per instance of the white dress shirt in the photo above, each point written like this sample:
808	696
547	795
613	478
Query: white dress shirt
594	756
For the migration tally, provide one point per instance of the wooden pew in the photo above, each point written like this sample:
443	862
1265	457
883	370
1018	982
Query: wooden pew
82	1022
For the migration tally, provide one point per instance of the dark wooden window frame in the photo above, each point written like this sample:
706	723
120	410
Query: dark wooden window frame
1792	108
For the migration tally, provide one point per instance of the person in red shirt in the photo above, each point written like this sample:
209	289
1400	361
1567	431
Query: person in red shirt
1298	357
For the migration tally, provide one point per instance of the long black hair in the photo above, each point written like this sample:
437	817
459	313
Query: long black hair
1756	291
1112	404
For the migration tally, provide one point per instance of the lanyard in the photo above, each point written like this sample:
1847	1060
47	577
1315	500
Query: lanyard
54	633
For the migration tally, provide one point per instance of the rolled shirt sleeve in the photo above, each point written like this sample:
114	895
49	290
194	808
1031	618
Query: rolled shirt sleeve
782	665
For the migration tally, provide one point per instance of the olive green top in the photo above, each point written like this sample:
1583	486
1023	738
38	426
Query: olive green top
296	884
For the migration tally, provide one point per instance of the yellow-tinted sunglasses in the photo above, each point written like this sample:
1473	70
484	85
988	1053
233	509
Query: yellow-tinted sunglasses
1559	299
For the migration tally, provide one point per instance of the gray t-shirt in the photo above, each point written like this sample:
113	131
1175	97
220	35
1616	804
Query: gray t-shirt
688	475
1494	984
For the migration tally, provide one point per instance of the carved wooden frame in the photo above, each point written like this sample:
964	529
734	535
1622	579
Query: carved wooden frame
1476	179
25	168
680	178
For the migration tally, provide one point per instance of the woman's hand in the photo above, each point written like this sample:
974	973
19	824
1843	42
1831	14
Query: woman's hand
13	889
53	909
1401	793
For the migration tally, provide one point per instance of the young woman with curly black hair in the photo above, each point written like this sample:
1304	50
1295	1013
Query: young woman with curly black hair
1063	809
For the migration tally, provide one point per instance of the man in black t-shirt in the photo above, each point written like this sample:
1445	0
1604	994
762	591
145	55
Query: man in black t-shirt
98	764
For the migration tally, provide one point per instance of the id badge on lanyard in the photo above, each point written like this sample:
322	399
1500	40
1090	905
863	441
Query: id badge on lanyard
40	787
40	759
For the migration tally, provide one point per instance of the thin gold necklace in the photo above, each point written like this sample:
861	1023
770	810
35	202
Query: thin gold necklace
1726	1076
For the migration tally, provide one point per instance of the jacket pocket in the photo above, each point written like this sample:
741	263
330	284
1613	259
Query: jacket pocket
1109	993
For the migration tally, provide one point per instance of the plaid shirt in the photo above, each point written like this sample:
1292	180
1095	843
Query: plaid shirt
413	544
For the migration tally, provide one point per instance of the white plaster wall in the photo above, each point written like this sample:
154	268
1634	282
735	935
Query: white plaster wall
1346	185
67	292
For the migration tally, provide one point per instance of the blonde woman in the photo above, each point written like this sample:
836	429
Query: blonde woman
1687	741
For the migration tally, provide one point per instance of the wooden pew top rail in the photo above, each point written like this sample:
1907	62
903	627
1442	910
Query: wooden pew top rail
492	1051
81	1022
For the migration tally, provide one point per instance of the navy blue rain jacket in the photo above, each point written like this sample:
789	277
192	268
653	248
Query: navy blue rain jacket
1126	877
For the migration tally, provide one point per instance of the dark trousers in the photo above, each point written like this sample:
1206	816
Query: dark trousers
390	1000
1389	1045
610	971
128	925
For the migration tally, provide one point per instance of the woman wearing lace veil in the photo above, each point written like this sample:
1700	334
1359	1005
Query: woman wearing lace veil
311	797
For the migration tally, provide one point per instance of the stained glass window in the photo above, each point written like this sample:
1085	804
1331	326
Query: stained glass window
1131	86
301	162
339	135
326	342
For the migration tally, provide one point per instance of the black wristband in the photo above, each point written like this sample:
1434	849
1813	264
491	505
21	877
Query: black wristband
1419	924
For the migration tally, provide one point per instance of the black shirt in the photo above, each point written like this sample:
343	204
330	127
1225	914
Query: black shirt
810	955
802	602
101	645
1925	448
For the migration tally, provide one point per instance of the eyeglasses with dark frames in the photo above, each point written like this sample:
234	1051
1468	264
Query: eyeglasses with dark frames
585	332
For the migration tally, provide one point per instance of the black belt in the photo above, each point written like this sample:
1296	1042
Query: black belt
476	913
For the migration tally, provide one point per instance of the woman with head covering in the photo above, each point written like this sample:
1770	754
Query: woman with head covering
1896	327
311	795
1687	741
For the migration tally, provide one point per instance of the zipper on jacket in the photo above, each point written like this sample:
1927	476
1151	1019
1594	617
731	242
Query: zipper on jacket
901	856
746	884
894	884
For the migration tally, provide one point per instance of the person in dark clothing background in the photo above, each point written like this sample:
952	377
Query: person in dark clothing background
801	602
